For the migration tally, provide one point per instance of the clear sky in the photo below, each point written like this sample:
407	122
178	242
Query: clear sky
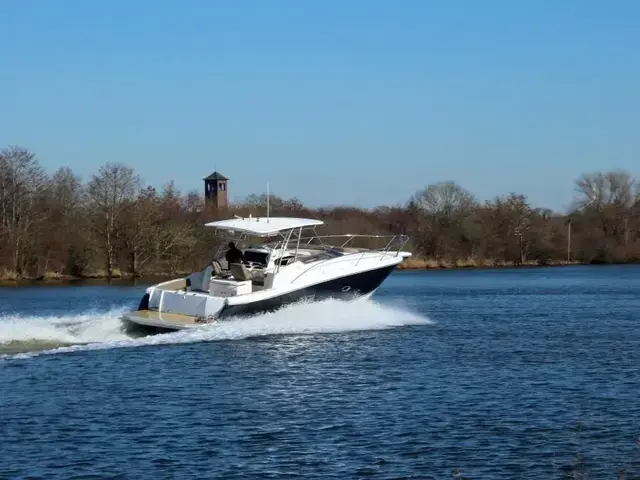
333	101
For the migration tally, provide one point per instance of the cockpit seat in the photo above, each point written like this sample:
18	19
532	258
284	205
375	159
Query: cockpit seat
199	281
242	273
217	269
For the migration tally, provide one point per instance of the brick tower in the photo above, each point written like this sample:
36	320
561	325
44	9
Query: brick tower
215	190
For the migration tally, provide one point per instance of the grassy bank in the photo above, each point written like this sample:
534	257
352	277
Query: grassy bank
416	263
50	276
9	277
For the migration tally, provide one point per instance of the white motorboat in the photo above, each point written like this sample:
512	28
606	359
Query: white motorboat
295	267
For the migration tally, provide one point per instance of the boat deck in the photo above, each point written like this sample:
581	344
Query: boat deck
163	319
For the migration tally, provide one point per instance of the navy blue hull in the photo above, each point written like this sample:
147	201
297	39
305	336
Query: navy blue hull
341	288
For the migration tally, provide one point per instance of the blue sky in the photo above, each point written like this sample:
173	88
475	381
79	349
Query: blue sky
332	101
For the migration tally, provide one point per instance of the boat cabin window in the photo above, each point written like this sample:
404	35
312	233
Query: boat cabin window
325	255
256	257
286	260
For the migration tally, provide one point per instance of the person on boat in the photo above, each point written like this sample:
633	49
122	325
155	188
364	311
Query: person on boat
234	254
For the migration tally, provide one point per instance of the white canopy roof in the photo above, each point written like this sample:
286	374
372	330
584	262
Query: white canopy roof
263	226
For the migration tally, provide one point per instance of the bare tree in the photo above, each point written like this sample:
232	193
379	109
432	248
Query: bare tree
67	191
173	242
111	193
621	188
140	226
258	203
21	185
606	201
444	200
193	203
293	205
441	209
171	199
65	225
598	189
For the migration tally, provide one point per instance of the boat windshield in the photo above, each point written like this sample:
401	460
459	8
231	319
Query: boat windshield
256	257
324	255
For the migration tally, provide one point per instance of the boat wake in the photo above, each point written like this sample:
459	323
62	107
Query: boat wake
24	337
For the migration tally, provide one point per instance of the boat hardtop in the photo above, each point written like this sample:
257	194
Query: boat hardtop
263	226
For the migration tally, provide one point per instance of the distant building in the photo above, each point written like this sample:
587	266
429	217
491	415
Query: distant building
215	190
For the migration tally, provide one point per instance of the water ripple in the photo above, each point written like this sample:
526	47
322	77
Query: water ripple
530	376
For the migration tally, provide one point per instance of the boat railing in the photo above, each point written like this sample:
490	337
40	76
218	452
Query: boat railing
392	244
387	249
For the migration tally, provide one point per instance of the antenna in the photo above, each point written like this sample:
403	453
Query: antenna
267	202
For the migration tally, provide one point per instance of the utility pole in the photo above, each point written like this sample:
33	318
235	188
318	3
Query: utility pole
569	241
518	233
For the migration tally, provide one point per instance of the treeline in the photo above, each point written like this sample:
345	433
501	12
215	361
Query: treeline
110	225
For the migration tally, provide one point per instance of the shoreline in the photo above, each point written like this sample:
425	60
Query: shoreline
475	264
52	278
409	265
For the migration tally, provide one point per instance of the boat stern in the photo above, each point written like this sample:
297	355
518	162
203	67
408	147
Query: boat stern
165	321
175	309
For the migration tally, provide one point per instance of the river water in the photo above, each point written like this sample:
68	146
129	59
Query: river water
494	374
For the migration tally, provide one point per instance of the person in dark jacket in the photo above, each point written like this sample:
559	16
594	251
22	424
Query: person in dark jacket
234	254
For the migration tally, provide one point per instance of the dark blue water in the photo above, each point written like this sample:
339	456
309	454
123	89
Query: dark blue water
516	374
